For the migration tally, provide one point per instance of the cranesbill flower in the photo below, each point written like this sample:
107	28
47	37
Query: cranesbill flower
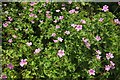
117	21
57	26
91	72
63	8
31	15
77	7
98	38
119	3
61	17
61	53
98	57
105	8
10	66
55	21
98	52
47	12
29	43
73	25
83	21
109	55
70	1
84	40
107	67
31	9
72	11
14	36
23	62
3	76
53	34
60	39
101	19
112	65
37	50
10	19
33	3
78	27
55	41
5	24
67	32
10	40
88	45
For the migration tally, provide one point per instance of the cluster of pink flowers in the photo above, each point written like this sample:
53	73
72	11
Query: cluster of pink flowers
77	27
33	15
110	66
98	54
86	43
48	14
73	11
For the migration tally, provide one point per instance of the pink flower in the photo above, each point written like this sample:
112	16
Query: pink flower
55	21
87	45
60	39
98	38
117	21
109	55
10	41
31	9
67	32
72	11
73	25
119	3
58	10
23	62
10	66
53	34
98	57
3	76
105	8
63	4
107	67
5	24
32	3
29	43
85	40
112	65
101	19
39	11
48	16
83	21
61	53
10	19
98	51
37	50
55	41
31	15
14	36
61	17
57	26
91	72
78	27
47	12
32	21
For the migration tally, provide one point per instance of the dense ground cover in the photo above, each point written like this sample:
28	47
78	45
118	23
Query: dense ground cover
60	41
